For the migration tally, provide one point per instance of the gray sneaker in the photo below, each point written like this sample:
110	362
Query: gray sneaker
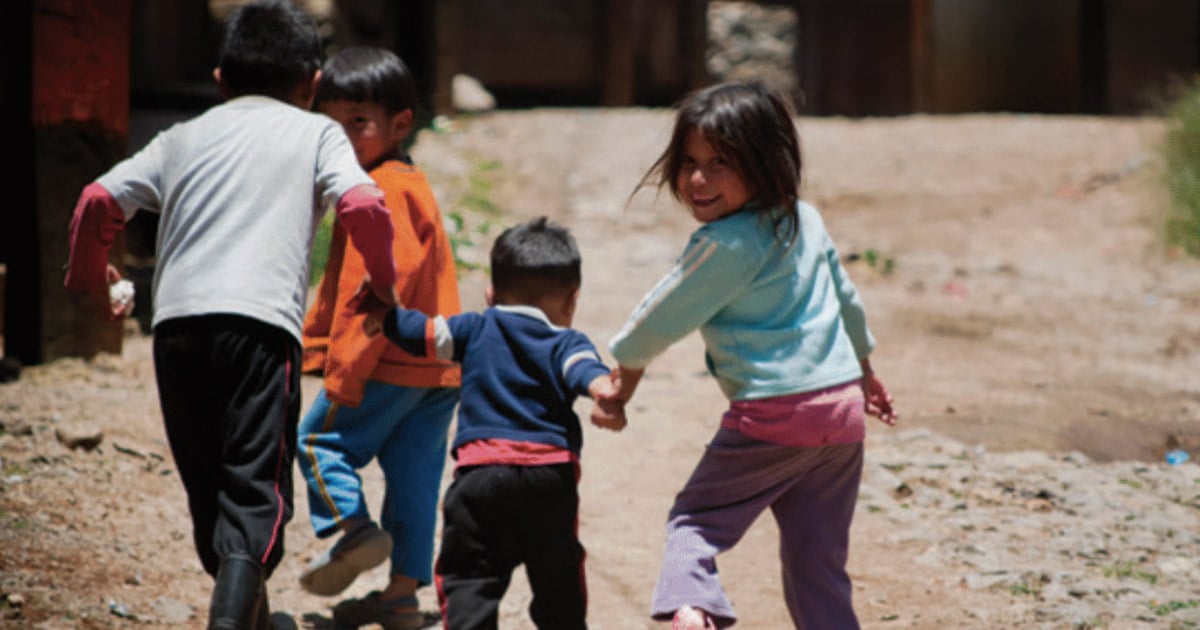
331	572
352	613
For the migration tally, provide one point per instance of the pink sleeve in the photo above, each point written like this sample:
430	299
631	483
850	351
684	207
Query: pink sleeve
369	225
94	224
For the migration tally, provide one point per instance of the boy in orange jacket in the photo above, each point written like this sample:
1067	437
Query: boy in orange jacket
378	401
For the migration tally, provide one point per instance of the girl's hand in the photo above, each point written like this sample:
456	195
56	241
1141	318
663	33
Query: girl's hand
626	381
878	400
608	410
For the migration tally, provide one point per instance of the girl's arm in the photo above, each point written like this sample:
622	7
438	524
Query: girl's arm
854	316
626	381
708	276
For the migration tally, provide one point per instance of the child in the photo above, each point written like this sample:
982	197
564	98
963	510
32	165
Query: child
787	341
514	498
240	189
378	401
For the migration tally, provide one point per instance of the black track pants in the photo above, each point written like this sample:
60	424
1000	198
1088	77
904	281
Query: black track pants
229	388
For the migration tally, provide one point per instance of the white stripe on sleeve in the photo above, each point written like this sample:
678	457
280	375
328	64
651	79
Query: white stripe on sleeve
443	342
576	358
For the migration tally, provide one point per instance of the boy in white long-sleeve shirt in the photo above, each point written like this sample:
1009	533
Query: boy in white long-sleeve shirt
240	190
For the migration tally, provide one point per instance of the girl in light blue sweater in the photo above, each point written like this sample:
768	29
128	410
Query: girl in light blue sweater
787	341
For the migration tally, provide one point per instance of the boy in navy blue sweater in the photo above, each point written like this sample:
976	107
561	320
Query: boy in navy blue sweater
514	499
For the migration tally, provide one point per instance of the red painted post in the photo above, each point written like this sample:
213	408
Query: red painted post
80	117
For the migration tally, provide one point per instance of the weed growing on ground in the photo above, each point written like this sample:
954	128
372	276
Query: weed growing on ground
1181	153
1123	570
1165	608
474	215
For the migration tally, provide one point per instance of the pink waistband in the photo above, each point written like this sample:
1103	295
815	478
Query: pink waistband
834	415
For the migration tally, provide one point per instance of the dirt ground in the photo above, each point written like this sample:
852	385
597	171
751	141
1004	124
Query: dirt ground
1014	275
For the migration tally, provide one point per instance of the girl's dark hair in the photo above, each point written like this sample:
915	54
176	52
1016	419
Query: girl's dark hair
269	48
534	259
368	75
751	127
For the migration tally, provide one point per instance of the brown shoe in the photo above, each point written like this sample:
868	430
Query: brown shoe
352	613
331	572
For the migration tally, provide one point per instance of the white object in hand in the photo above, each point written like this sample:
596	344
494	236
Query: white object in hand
120	294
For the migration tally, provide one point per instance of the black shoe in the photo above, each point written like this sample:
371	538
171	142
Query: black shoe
239	596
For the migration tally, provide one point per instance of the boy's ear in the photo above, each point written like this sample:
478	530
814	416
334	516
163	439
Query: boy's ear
489	294
306	92
571	302
221	87
402	123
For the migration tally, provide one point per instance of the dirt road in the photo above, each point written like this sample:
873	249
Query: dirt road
1014	276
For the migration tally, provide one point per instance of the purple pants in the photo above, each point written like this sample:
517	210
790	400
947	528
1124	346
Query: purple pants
810	491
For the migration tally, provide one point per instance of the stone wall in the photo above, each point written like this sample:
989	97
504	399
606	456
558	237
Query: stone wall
753	41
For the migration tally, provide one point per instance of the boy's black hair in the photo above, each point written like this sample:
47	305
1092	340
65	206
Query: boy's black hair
535	259
269	48
750	126
368	75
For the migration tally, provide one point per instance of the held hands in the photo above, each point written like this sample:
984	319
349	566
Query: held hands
608	409
367	301
610	394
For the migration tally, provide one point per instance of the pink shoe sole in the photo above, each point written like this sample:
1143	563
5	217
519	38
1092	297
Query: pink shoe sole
688	618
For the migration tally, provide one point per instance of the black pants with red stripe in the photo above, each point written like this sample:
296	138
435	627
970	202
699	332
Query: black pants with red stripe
229	388
497	518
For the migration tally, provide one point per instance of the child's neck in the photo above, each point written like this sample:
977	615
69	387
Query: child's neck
551	308
398	155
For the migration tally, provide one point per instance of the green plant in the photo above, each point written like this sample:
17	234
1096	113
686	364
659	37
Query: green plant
1123	570
320	249
883	264
1024	588
478	197
15	522
463	236
1181	154
475	214
1166	608
12	469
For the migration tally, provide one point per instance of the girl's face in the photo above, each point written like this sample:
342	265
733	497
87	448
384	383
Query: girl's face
374	135
707	183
